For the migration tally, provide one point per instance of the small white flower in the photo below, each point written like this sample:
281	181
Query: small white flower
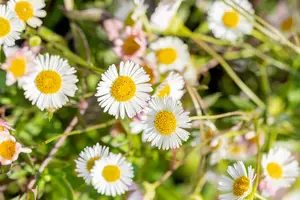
137	126
170	53
140	9
52	84
10	26
4	127
173	87
10	149
124	91
165	122
87	159
280	168
112	175
239	185
19	65
228	23
29	11
164	13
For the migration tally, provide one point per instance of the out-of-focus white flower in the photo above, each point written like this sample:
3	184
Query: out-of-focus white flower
239	185
164	13
19	65
10	149
4	127
228	23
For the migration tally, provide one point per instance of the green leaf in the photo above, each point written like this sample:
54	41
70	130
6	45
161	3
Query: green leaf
212	99
62	189
243	104
81	42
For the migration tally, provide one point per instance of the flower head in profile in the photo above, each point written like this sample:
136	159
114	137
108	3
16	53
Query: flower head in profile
164	13
112	175
19	65
228	23
239	185
134	16
10	26
124	92
29	11
4	127
165	123
169	53
52	84
280	168
173	87
10	149
87	159
133	45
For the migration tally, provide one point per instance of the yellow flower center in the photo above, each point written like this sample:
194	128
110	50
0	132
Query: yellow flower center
165	122
123	88
91	162
1	128
240	186
48	82
7	149
237	149
166	56
111	173
231	19
274	170
130	46
4	27
287	24
165	91
24	10
18	67
150	72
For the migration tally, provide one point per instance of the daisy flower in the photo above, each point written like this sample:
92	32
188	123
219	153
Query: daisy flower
124	91
4	127
52	84
227	23
10	149
170	53
29	11
139	9
191	75
134	44
165	122
10	26
19	65
87	159
280	168
113	27
165	10
239	185
137	126
112	175
217	145
172	87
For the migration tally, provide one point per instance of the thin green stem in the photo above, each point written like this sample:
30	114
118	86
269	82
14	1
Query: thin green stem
230	114
260	197
76	132
231	73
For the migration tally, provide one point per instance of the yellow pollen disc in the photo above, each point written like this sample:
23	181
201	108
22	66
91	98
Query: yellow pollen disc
48	82
7	149
240	186
24	10
231	19
17	67
150	72
237	149
123	89
91	162
287	24
165	122
4	27
165	91
274	170
111	173
130	46
166	56
1	128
